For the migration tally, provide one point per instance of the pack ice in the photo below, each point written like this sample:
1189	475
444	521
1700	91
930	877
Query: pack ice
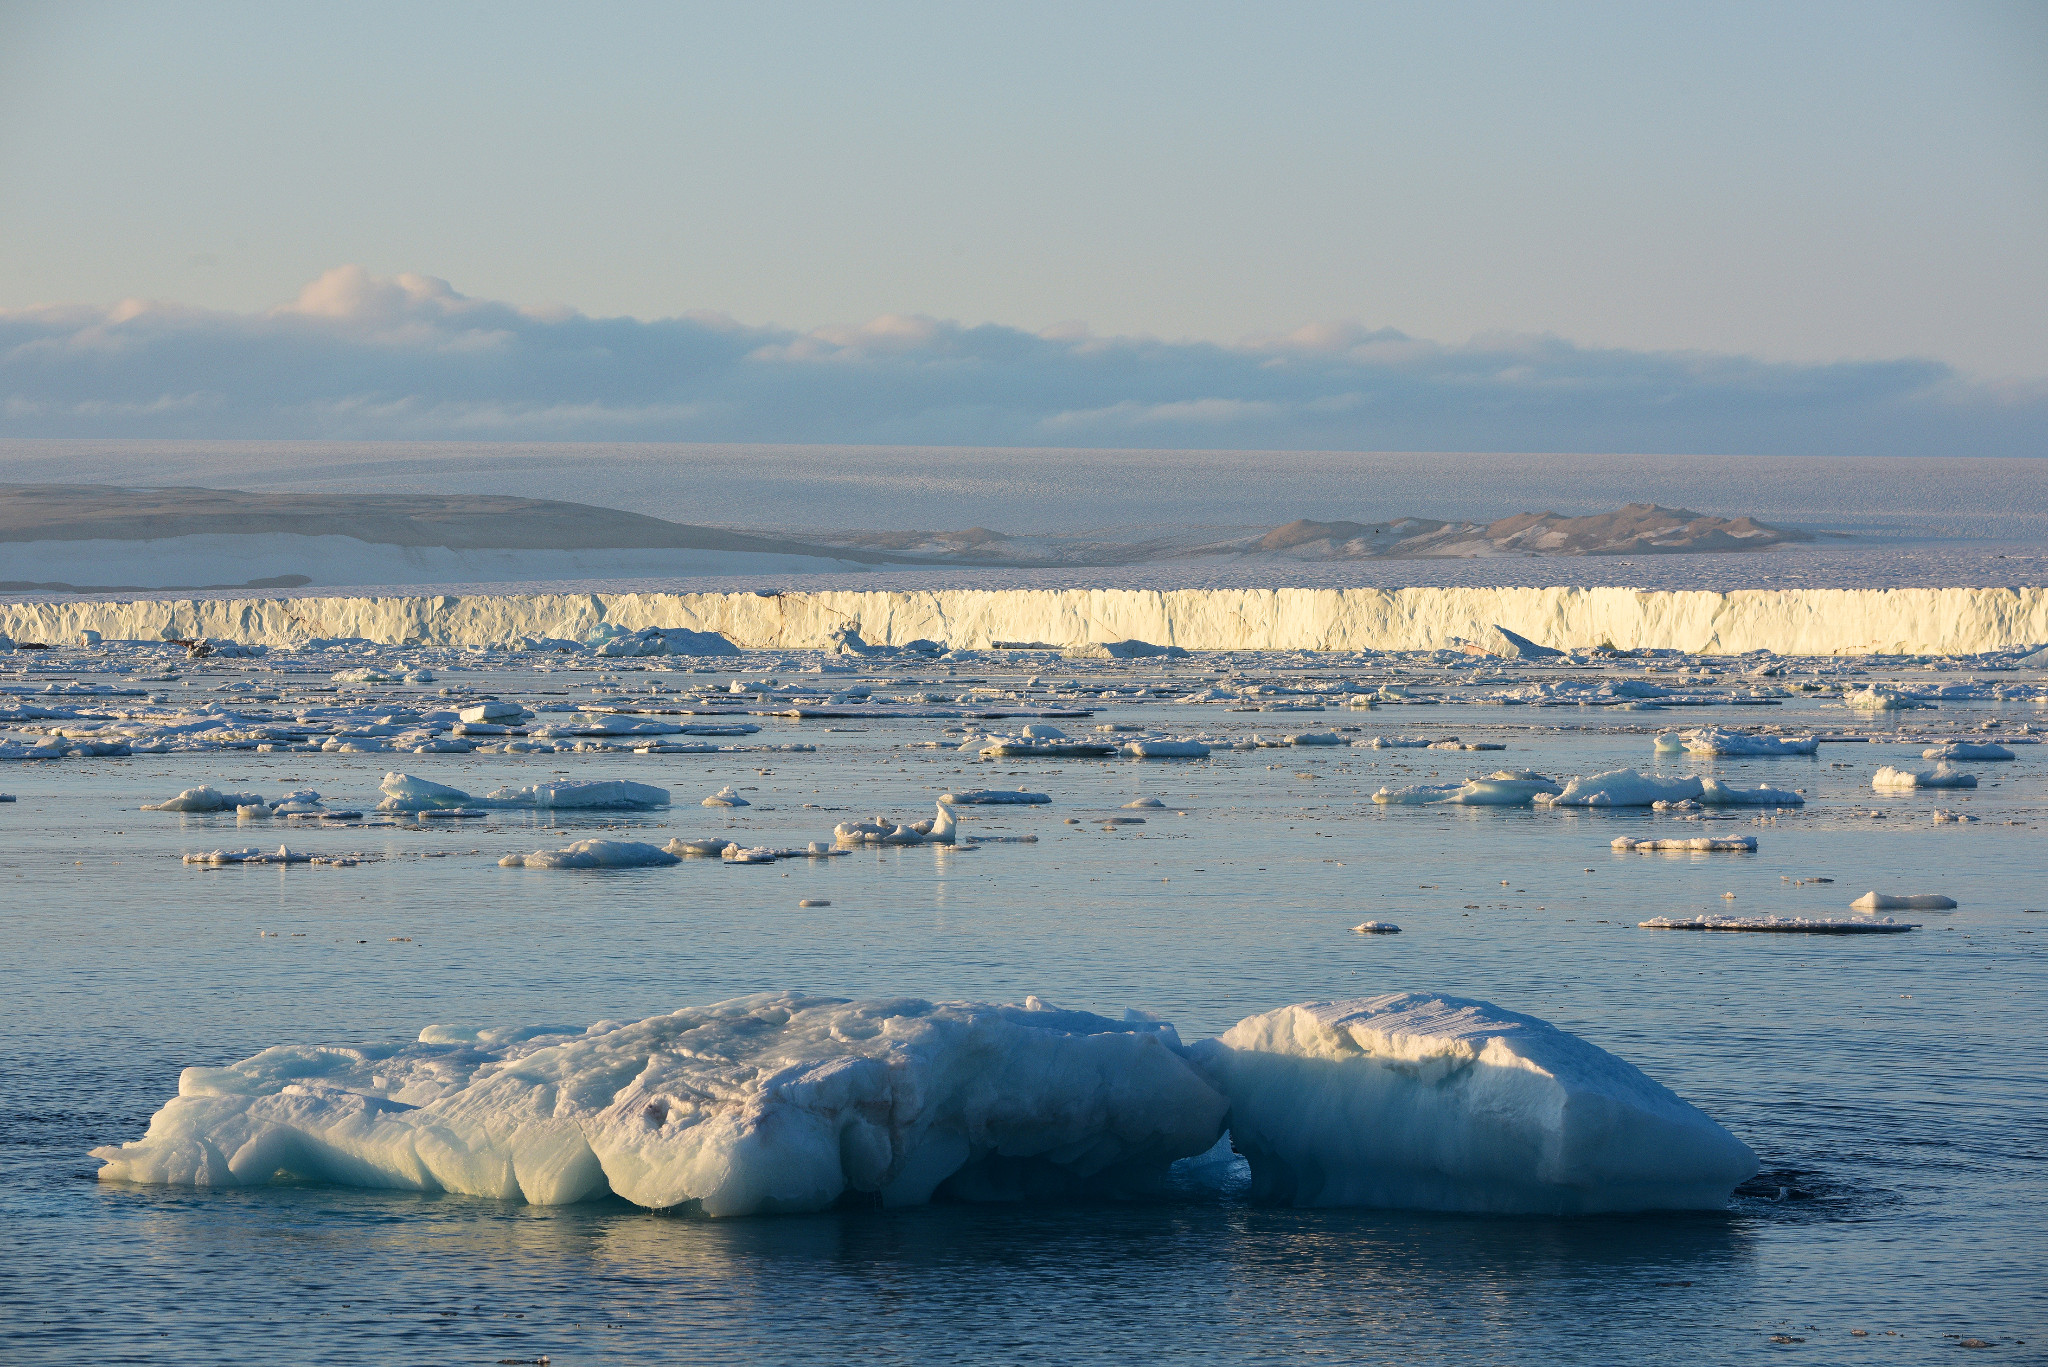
786	1102
1441	1103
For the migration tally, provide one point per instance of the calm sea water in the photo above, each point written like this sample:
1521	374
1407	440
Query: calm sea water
1893	1085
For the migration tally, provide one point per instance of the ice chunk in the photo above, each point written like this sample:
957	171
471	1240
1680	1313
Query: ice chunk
1732	843
1508	788
1144	802
1165	749
1907	901
1941	775
667	641
492	712
1796	925
205	799
1417	1101
991	797
1966	750
1377	928
1710	741
1714	793
697	849
1415	794
763	1104
580	793
406	793
282	856
726	797
593	854
1315	738
1622	788
1121	650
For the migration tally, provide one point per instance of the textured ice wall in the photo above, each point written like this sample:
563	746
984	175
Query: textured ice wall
1787	621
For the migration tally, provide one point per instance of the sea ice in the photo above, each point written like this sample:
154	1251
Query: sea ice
1507	788
1377	928
1165	749
205	799
1622	788
726	797
1715	793
1909	901
405	793
1711	741
993	797
770	1103
1798	925
1966	750
1415	794
1746	843
1416	1101
1941	775
593	854
580	793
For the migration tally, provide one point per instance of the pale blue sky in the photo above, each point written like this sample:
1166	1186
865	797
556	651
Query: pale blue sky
1790	182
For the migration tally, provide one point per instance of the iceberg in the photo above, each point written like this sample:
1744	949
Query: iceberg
1160	748
1940	776
1711	741
1121	650
1622	788
1965	750
1714	793
1416	1101
580	793
1731	843
770	1103
205	799
1415	794
1909	901
666	641
405	793
593	854
988	797
1507	788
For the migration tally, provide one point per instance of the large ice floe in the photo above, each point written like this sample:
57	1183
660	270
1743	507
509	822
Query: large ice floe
406	792
1714	741
785	1102
1629	788
593	854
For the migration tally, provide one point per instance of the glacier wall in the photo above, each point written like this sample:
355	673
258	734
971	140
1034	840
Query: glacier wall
1786	621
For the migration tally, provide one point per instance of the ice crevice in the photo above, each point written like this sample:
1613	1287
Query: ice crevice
783	1102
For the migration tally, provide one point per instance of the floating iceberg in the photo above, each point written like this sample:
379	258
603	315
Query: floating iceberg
580	793
1710	741
1377	928
1507	788
993	797
1121	650
1796	925
1910	901
1165	749
1415	794
406	793
1622	788
593	854
768	1103
666	641
205	799
1940	776
726	797
1714	793
1731	843
1439	1103
1966	750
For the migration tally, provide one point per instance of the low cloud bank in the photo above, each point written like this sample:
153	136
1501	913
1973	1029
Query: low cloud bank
366	358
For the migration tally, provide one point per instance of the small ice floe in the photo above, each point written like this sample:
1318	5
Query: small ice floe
1714	793
1165	748
493	711
1421	1101
1466	745
598	793
1966	750
280	856
1808	925
1315	738
1048	742
6	797
1943	815
1415	794
815	902
1732	843
1875	699
1395	743
205	799
1621	788
942	829
992	797
696	849
1903	901
1376	928
1144	802
1506	788
1713	741
1684	804
451	813
593	854
736	853
1942	775
726	797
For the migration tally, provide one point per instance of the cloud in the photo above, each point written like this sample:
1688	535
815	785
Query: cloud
367	357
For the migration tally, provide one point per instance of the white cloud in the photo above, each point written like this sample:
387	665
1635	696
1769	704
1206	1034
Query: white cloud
367	357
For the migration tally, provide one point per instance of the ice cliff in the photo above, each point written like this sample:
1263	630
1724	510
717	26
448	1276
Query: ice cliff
1785	621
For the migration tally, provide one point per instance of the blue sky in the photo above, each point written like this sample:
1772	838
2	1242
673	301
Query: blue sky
1781	228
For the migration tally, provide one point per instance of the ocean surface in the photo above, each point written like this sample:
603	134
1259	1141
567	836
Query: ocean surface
1893	1086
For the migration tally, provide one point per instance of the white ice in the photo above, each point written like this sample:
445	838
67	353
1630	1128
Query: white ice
726	797
1730	843
407	793
1904	901
1941	775
768	1103
1424	1102
1797	925
1622	788
580	793
593	854
1966	750
1715	793
1713	741
205	799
